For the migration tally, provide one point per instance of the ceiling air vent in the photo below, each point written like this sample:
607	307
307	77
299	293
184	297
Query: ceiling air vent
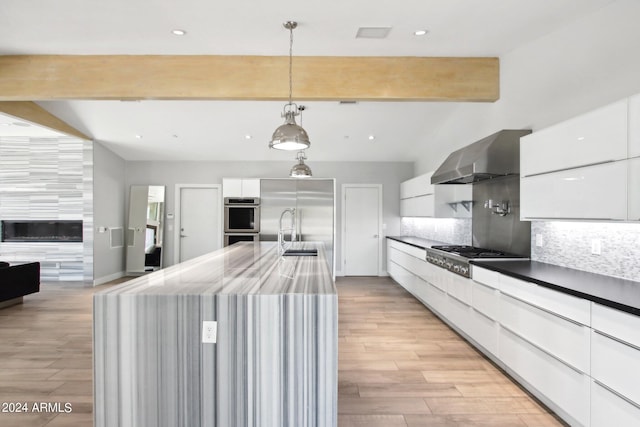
373	32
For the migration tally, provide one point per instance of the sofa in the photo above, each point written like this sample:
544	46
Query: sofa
18	280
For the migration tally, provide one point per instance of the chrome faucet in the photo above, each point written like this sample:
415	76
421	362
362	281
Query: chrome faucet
291	229
502	208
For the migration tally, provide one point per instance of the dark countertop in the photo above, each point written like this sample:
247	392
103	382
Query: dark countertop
418	242
617	293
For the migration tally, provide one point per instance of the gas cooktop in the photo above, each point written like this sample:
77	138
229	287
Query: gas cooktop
456	258
474	252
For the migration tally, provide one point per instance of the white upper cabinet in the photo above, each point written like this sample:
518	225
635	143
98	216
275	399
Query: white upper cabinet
418	186
416	197
240	187
591	192
594	137
634	126
634	189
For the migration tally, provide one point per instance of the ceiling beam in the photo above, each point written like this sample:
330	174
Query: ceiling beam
56	77
33	113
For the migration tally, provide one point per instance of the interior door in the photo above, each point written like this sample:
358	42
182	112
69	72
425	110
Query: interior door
362	213
200	212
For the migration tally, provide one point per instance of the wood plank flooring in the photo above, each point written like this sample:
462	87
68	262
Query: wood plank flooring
399	364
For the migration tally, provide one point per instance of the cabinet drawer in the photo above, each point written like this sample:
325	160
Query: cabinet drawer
564	305
460	288
608	409
431	296
616	365
567	388
486	277
592	192
400	275
408	249
564	339
484	331
486	300
594	137
616	323
459	314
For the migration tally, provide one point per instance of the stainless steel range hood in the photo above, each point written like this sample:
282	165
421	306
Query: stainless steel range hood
491	157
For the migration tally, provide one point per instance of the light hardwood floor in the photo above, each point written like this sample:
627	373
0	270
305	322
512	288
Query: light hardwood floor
399	364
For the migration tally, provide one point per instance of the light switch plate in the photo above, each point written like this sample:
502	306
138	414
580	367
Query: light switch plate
539	240
596	247
209	332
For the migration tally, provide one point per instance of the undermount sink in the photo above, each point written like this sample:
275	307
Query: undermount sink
300	252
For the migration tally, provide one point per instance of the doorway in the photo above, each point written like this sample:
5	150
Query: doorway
362	229
198	220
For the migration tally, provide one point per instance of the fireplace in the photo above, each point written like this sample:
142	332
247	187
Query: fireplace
42	231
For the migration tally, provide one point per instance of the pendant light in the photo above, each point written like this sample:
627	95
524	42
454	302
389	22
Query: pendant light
290	136
300	170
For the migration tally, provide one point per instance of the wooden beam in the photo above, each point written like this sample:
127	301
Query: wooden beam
53	77
33	113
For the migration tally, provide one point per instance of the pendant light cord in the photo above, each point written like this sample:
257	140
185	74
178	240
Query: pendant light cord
290	64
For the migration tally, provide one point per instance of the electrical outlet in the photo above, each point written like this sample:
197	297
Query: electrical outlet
539	240
596	247
209	332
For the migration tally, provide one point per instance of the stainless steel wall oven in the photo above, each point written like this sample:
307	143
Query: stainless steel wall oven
241	215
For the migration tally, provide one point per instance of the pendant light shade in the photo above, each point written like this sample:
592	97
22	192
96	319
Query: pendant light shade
301	170
290	136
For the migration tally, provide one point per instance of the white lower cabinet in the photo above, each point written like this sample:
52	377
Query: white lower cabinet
609	409
566	387
566	340
580	358
484	331
616	365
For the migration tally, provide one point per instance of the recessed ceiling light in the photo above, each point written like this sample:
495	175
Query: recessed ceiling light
247	136
420	32
371	137
178	32
21	124
138	136
372	32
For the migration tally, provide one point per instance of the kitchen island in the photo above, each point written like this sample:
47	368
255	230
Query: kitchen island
274	362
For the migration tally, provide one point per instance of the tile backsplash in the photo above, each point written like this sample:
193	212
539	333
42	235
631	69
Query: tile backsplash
447	230
567	244
570	244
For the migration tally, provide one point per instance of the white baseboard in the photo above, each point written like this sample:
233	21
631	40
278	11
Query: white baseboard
339	273
104	279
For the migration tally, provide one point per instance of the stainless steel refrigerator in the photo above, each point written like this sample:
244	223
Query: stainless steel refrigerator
314	202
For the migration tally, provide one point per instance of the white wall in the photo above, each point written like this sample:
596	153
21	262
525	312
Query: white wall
109	211
587	64
389	174
592	62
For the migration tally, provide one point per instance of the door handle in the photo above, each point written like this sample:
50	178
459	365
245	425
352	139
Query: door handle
183	235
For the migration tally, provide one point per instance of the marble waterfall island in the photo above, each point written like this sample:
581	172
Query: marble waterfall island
274	362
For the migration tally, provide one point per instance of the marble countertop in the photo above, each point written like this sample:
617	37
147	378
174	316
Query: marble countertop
418	242
245	268
616	293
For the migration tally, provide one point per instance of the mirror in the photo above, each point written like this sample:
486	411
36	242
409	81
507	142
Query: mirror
145	229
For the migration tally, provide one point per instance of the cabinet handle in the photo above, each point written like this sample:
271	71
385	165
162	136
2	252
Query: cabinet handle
616	339
553	356
615	393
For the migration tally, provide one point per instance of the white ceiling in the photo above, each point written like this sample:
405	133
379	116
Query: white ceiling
215	130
